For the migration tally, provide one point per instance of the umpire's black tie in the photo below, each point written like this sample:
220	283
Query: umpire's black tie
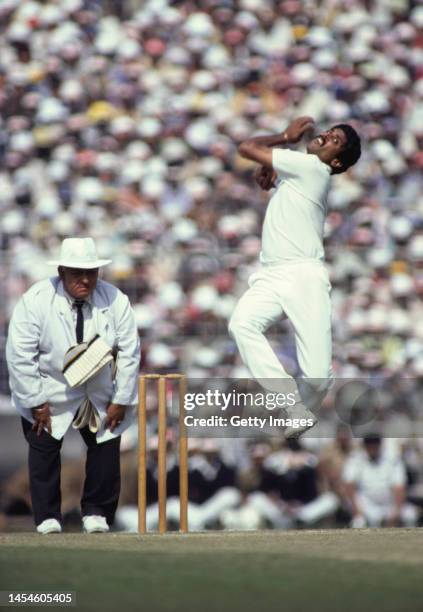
79	320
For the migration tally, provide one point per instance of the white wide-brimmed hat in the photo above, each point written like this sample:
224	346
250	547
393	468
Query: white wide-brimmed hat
79	253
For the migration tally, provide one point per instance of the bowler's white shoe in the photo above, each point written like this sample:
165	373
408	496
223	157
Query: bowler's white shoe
304	419
94	523
50	525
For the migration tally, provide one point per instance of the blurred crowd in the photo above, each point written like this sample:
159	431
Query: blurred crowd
239	484
121	119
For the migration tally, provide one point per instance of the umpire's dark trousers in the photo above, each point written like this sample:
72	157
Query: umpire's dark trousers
102	475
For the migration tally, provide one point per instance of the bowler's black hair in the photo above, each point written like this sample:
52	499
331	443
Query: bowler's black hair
352	150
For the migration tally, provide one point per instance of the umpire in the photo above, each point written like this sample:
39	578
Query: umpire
55	314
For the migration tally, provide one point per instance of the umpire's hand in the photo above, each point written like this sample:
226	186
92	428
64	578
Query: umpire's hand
42	418
115	416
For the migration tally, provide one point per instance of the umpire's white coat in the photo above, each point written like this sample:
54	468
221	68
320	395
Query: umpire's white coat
40	332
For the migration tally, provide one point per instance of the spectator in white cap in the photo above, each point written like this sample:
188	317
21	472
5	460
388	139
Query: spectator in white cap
53	388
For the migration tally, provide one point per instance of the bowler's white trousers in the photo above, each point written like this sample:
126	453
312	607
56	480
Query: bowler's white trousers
300	291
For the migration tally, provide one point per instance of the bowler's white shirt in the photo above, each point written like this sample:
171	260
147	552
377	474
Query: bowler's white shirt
295	216
375	479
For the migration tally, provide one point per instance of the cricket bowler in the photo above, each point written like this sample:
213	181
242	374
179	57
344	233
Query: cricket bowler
293	281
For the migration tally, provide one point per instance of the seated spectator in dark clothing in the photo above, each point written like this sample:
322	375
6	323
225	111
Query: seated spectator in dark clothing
288	490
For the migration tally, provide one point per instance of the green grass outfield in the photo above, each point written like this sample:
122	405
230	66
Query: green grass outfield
334	570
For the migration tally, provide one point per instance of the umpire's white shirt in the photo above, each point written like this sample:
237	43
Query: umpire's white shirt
294	221
42	329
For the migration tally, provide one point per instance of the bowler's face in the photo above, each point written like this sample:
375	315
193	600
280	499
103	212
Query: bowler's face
78	283
328	145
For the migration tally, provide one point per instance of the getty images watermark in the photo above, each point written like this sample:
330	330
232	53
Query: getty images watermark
248	408
236	402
